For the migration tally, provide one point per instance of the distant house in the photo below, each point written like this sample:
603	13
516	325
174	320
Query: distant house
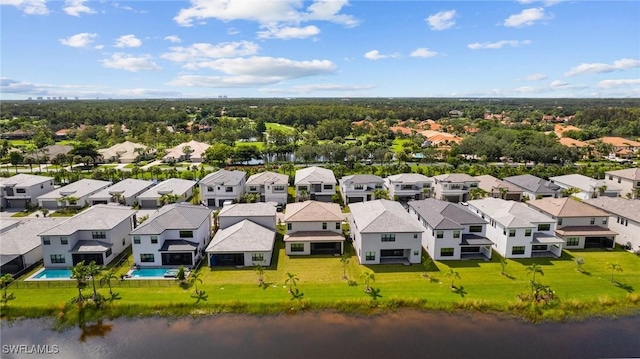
535	187
589	187
263	214
622	147
125	152
516	230
125	192
452	231
628	180
53	150
195	152
75	194
19	190
454	187
497	188
359	188
578	224
409	186
383	232
221	186
624	218
175	235
98	234
570	142
313	228
271	186
20	246
315	183
173	190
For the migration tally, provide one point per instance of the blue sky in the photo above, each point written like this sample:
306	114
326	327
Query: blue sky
322	48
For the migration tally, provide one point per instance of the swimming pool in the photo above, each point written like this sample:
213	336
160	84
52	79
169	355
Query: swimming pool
153	273
51	274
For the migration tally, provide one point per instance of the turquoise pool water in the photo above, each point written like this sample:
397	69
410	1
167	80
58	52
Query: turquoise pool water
49	273
152	272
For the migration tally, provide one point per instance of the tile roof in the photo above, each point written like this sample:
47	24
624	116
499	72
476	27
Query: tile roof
627	208
314	236
313	211
444	215
245	236
172	185
491	184
198	149
224	177
570	142
618	141
90	246
455	177
314	174
178	245
23	180
124	151
78	189
102	217
533	184
381	216
409	178
268	178
127	187
566	207
362	179
509	213
629	173
584	183
23	237
174	216
585	231
248	209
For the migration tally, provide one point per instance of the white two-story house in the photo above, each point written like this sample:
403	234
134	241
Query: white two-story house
313	227
74	195
628	180
452	231
125	192
588	187
624	218
98	234
454	187
271	186
409	186
221	186
175	235
172	190
359	188
315	183
18	190
516	230
383	233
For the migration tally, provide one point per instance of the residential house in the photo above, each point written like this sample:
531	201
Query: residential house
315	183
359	188
409	186
125	152
628	180
175	235
535	187
578	224
588	187
452	231
53	150
19	190
516	230
383	232
454	187
621	147
497	188
74	195
221	186
313	227
98	234
263	214
572	143
20	246
624	218
195	152
167	191
270	186
125	192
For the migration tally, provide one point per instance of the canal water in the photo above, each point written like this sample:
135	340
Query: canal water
404	334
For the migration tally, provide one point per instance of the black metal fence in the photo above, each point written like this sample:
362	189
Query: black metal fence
127	283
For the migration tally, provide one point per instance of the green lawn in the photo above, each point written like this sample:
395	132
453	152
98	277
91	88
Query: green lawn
258	145
397	144
285	128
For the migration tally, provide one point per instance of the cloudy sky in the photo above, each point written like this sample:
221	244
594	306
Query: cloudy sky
322	48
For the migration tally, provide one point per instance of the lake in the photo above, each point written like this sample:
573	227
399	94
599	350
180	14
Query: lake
329	335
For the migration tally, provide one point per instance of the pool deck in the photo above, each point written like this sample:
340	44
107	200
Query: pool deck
129	273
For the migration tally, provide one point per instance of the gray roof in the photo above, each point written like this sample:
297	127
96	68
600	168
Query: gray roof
444	215
509	213
24	180
248	210
629	173
627	208
174	216
314	175
178	245
409	178
543	238
268	178
533	184
382	216
7	224
584	183
224	177
491	184
78	189
362	179
90	246
23	237
455	177
54	150
101	217
244	236
173	185
470	239
127	187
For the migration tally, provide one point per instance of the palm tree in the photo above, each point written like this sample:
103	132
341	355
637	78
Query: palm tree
187	152
194	279
579	263
5	280
260	271
79	273
368	276
181	275
503	265
534	268
344	259
380	194
107	278
291	280
615	267
503	192
92	271
453	275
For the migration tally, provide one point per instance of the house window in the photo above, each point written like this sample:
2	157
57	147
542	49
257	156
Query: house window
604	221
517	250
406	187
573	241
228	189
297	247
388	237
473	185
446	252
592	221
439	234
426	185
209	189
544	227
253	189
154	239
186	234
370	256
64	240
610	178
455	186
108	253
123	242
338	226
328	186
475	229
20	190
379	185
416	253
559	221
512	233
58	258
289	226
324	225
147	257
303	188
136	239
99	235
415	236
257	257
278	188
358	186
527	232
456	234
46	241
619	179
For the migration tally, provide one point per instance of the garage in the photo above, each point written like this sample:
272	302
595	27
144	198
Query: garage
355	199
52	205
211	202
148	203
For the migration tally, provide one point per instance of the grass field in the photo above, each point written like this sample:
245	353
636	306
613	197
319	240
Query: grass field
258	145
277	126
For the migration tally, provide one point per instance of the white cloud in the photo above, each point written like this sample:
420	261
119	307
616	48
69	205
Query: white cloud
222	81
610	84
318	88
289	32
99	47
498	45
376	55
558	84
130	63
328	10
128	41
173	38
29	7
203	51
535	77
441	20
79	40
423	52
527	17
77	7
598	68
545	2
233	31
